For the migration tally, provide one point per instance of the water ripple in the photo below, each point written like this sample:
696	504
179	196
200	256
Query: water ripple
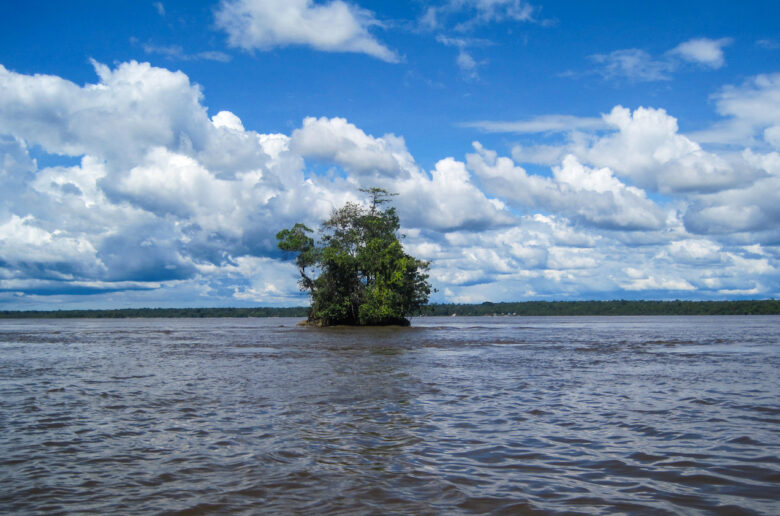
493	415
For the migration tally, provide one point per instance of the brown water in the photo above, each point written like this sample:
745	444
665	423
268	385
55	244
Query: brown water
657	415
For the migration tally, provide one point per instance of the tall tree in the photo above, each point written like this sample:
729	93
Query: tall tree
364	275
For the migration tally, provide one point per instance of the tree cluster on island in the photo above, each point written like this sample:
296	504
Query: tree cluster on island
357	272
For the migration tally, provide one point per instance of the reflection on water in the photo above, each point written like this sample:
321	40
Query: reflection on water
454	415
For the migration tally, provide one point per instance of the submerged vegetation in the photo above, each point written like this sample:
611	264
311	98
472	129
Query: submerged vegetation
527	308
363	276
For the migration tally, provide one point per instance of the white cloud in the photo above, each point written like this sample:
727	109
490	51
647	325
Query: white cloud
186	208
496	10
757	101
648	149
448	200
541	124
656	283
270	281
23	241
769	44
227	120
466	63
176	52
171	205
132	107
539	154
593	196
693	251
705	51
752	208
169	183
16	170
527	261
332	27
445	199
336	140
753	109
638	65
478	12
160	187
633	64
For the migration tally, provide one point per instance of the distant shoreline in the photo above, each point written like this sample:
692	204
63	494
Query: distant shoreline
525	308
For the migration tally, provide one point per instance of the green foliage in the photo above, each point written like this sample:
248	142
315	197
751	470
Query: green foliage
156	313
607	308
365	277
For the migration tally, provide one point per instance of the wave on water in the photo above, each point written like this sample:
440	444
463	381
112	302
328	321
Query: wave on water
454	415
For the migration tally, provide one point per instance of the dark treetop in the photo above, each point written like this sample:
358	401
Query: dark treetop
358	273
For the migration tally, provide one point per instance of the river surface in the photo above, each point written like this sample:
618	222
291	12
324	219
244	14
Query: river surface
501	415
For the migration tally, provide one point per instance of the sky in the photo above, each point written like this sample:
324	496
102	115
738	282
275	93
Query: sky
551	150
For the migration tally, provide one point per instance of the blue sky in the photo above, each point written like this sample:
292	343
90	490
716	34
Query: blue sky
149	151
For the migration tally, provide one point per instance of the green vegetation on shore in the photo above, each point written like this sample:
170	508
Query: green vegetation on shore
527	308
127	313
616	307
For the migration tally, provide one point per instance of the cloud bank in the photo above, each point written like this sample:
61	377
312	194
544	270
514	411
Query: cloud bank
154	200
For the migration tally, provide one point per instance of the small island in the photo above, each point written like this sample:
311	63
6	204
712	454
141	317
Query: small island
357	273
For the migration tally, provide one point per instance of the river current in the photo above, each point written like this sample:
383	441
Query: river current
501	415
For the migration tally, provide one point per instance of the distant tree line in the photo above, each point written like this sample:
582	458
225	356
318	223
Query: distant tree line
526	308
617	307
127	313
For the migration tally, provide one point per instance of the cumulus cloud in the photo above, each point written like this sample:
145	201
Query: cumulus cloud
332	27
160	187
170	183
639	281
444	199
753	208
532	248
17	169
164	194
757	101
648	149
270	281
166	203
705	51
336	140
713	194
133	107
753	111
594	196
23	241
643	146
448	200
693	251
